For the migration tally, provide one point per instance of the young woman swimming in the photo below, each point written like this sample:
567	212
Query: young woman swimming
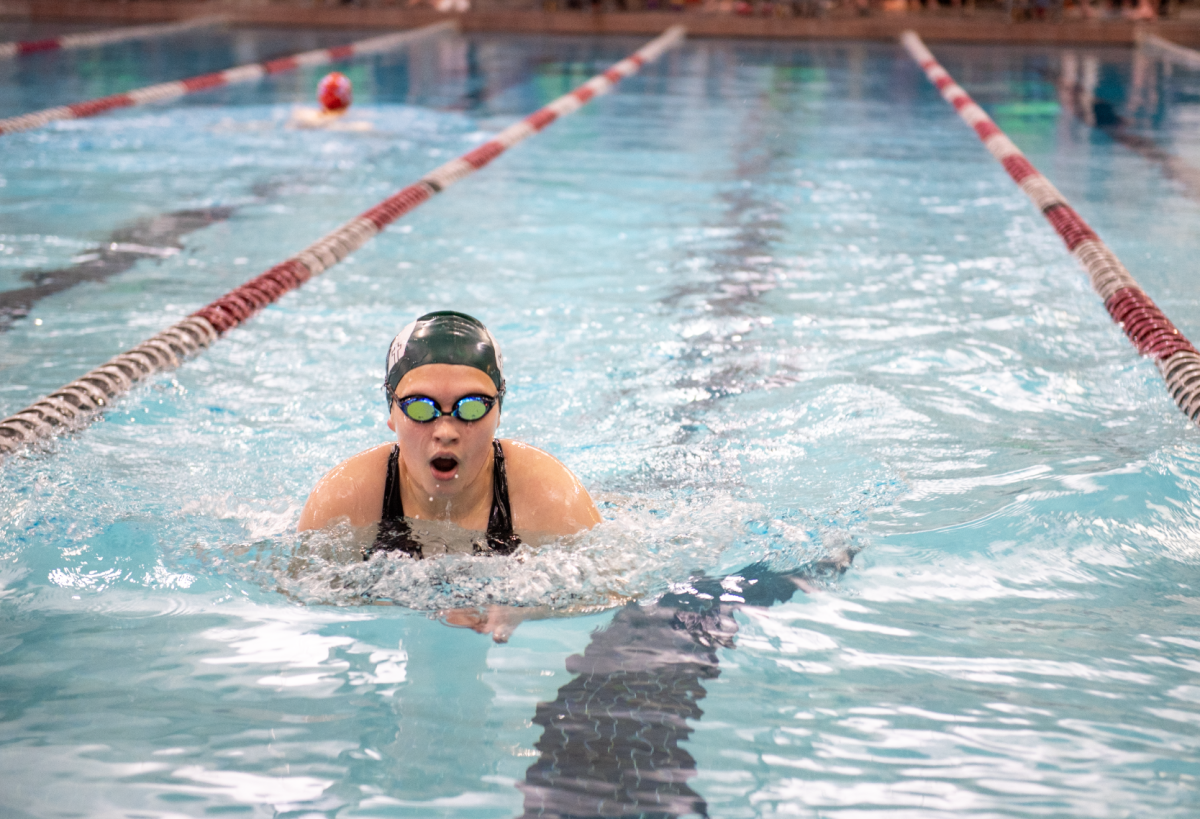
445	388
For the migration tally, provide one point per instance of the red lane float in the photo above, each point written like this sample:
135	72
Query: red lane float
230	76
99	38
79	402
1151	332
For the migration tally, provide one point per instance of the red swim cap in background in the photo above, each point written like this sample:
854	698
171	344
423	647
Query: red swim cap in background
334	91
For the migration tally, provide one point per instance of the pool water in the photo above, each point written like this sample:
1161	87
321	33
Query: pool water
776	306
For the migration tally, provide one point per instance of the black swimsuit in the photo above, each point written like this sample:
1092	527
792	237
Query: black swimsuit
395	535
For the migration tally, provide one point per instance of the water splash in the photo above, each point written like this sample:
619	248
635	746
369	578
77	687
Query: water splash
643	548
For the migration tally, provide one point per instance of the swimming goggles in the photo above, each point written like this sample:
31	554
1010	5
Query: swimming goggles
423	409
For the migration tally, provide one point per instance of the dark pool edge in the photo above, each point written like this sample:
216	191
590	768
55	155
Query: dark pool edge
933	27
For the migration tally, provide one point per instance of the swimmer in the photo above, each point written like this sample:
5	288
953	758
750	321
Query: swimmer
335	93
445	388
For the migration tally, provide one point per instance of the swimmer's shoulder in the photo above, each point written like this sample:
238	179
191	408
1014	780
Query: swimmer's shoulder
546	497
353	489
313	118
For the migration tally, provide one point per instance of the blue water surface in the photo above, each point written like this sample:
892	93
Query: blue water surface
776	306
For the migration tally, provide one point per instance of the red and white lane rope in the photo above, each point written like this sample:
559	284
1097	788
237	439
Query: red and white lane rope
79	402
230	76
99	38
1151	332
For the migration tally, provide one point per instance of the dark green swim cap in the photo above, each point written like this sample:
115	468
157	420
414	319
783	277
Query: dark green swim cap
444	337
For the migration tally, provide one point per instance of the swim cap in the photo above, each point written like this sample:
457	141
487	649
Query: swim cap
334	91
444	337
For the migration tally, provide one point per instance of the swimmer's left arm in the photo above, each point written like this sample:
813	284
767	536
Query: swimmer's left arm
547	498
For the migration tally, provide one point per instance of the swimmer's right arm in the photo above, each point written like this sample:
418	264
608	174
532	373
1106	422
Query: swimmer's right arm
353	490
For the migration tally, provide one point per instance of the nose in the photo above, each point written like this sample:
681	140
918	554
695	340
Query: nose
445	430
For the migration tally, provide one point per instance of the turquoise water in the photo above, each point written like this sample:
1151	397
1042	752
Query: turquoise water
772	302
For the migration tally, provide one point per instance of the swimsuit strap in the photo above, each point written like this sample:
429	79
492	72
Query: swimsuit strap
393	504
395	535
394	532
500	537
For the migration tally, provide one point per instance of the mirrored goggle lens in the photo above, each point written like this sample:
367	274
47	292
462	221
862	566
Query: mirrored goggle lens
472	409
421	410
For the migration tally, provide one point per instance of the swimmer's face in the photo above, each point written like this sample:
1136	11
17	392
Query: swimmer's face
446	455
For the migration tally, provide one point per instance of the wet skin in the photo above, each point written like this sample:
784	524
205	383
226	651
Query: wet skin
446	475
446	464
446	470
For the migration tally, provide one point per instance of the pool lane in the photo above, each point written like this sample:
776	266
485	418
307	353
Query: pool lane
1031	563
83	400
248	73
91	39
1152	333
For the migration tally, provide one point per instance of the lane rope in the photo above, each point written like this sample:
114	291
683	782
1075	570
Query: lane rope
89	39
81	401
1151	332
1171	52
230	76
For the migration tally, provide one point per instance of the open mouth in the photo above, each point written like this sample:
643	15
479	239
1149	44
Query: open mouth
444	467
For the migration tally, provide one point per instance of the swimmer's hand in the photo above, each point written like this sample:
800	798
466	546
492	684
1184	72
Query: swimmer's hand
498	621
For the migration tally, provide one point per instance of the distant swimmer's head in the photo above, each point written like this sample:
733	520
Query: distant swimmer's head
444	385
444	337
334	92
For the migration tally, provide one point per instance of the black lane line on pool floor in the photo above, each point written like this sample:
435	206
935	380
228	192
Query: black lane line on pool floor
737	284
149	237
611	739
610	743
729	362
154	237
